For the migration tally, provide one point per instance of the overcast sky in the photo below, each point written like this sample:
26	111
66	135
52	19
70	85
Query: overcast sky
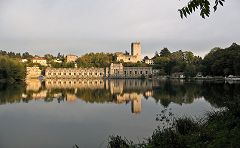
81	26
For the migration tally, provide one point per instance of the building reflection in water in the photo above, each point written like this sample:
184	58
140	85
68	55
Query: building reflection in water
120	90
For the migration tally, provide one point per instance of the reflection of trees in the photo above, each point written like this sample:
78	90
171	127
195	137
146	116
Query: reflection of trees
222	94
165	92
11	93
175	91
95	95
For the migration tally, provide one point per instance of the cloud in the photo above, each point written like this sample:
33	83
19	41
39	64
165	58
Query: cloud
77	26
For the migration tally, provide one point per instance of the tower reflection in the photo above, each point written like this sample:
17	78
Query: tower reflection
91	90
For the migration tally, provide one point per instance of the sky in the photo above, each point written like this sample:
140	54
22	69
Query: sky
82	26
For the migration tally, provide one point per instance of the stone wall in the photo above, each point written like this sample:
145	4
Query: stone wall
137	72
127	58
114	71
118	71
75	73
71	58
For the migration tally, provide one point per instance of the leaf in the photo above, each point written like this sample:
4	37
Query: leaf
184	13
187	10
221	3
181	13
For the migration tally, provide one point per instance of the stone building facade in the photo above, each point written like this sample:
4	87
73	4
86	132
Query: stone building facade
40	60
71	58
114	71
119	71
75	73
135	54
149	61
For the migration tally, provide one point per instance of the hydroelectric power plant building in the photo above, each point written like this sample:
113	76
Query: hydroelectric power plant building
114	71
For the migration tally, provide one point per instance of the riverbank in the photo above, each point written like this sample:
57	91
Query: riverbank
220	129
207	78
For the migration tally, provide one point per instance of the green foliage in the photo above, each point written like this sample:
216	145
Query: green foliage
10	54
202	5
11	69
63	65
96	60
119	142
222	129
186	125
165	52
222	62
49	58
178	62
26	55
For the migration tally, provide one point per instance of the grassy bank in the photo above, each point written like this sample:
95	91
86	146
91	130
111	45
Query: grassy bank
220	129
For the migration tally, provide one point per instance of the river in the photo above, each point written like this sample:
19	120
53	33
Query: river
61	113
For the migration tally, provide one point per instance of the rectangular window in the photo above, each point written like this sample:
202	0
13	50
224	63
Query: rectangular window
141	72
146	72
135	72
130	72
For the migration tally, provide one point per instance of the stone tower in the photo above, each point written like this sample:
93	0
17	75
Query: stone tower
136	50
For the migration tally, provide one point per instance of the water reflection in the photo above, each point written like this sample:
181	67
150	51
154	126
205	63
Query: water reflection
119	91
64	112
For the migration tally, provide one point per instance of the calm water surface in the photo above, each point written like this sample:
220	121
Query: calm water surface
61	113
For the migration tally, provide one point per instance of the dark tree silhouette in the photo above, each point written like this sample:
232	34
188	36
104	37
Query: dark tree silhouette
203	5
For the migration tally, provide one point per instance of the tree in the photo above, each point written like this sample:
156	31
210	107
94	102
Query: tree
222	62
165	52
11	68
178	61
203	5
146	58
26	55
95	60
